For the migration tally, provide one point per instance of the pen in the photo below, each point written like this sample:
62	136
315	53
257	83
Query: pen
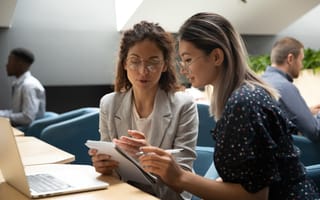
171	151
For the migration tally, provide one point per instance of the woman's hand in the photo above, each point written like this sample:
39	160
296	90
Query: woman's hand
157	161
131	144
102	162
315	109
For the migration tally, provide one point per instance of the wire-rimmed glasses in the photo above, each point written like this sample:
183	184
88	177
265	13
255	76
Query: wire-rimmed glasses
152	65
184	65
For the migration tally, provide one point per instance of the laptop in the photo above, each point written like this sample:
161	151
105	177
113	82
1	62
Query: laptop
64	181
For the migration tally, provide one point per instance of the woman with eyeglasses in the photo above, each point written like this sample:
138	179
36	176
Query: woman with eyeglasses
254	154
147	107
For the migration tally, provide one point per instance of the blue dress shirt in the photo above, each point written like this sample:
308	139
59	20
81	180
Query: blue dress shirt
293	103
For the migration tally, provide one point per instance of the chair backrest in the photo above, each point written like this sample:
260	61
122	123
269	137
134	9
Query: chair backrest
203	162
47	115
204	159
70	135
206	124
37	126
309	151
313	172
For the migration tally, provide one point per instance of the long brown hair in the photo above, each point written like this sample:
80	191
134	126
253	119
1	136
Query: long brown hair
208	31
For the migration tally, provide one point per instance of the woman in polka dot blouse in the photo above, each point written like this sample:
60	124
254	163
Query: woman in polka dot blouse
254	154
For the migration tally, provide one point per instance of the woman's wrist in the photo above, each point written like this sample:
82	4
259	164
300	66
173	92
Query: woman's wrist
178	185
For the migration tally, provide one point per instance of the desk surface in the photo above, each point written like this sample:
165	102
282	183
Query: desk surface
34	151
117	189
17	132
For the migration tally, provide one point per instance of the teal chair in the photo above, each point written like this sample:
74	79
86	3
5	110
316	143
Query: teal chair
309	151
204	160
70	135
204	163
206	124
313	172
47	115
37	126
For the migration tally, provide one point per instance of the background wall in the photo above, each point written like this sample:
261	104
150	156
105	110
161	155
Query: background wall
75	43
305	29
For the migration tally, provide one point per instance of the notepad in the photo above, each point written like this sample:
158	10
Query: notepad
129	169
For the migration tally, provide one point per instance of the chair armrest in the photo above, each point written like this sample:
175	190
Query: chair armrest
70	135
309	151
313	172
204	159
212	172
37	126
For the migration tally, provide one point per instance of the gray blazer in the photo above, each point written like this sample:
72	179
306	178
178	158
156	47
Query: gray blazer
174	125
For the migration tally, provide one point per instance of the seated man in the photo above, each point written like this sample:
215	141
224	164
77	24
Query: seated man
286	57
28	95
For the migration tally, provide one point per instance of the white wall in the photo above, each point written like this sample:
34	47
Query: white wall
75	42
306	29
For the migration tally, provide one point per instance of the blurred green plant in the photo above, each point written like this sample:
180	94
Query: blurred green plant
311	61
259	63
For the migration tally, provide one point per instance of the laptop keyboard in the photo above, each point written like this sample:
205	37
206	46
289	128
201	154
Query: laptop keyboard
45	182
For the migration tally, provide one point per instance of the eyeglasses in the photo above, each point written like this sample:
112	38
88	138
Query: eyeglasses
184	65
152	65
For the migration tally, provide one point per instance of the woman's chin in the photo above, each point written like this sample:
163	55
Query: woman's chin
196	85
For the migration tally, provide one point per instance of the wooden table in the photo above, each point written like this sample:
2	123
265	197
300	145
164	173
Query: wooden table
34	151
17	132
117	189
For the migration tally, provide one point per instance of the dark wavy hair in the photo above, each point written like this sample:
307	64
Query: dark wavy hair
164	40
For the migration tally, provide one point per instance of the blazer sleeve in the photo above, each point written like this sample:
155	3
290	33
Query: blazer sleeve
187	131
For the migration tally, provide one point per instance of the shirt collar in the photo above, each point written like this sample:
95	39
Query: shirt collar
19	80
285	75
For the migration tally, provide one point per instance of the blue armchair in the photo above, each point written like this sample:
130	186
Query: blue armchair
204	163
309	151
204	159
313	172
47	115
70	135
206	124
37	126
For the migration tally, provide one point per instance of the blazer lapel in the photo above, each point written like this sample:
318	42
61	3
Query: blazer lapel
123	115
161	119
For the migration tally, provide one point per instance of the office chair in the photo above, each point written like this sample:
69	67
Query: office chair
309	151
203	162
37	126
70	135
313	172
47	115
206	124
204	159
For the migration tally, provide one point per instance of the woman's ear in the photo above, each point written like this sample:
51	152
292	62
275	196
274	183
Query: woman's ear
217	56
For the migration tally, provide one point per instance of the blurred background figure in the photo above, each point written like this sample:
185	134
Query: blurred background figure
28	94
287	55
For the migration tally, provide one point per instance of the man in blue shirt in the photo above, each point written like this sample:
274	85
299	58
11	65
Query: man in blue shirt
286	62
28	94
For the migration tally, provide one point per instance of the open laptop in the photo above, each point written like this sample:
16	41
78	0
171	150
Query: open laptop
14	173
